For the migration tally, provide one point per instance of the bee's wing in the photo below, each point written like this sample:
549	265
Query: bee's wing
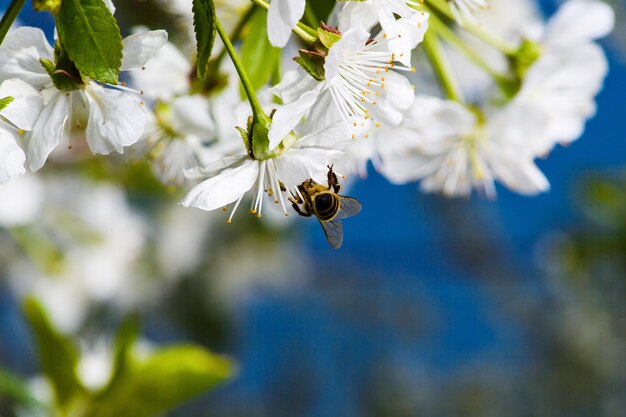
348	207
334	232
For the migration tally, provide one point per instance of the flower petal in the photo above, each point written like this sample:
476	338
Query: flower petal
228	185
20	53
293	85
12	157
580	21
191	115
287	117
167	64
115	119
296	165
358	14
47	131
283	16
26	105
140	47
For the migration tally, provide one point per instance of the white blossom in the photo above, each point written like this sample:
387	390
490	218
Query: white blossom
443	144
562	84
115	118
230	178
16	118
360	86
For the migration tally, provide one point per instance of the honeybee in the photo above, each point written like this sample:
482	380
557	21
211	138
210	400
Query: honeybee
327	205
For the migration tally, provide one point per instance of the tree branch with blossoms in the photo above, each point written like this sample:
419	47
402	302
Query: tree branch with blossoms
353	94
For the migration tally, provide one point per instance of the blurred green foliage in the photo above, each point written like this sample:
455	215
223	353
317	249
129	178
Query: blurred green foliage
143	385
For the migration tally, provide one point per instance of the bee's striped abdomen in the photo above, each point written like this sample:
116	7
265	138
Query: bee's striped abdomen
326	206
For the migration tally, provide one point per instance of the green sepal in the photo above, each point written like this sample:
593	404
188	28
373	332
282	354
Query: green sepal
244	136
328	36
204	27
261	141
312	63
63	79
90	35
527	54
4	102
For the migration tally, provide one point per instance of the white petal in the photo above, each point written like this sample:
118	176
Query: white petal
226	186
395	98
358	14
296	165
168	64
26	105
283	16
351	42
109	4
287	117
48	131
579	21
293	85
215	167
140	47
115	119
404	34
11	157
190	114
520	175
20	53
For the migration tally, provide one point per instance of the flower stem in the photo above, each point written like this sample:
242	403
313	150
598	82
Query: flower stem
9	17
441	67
504	46
448	35
257	111
234	35
307	34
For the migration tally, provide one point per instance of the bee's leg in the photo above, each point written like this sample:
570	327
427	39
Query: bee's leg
295	199
332	180
296	207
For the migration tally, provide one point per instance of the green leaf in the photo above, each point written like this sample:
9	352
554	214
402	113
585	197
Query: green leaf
204	26
322	8
16	389
4	102
312	63
258	56
90	35
57	354
165	380
124	340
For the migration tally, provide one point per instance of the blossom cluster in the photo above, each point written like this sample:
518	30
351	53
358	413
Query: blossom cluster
357	92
